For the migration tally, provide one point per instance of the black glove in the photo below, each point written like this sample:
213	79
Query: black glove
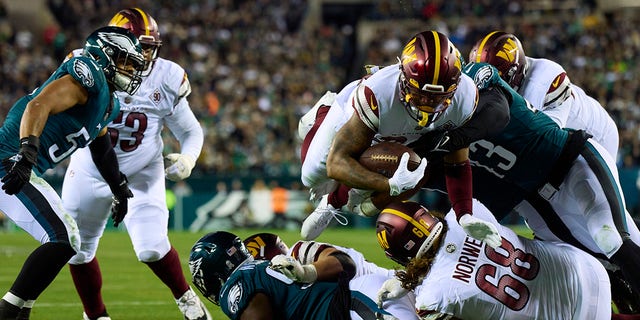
18	167
120	204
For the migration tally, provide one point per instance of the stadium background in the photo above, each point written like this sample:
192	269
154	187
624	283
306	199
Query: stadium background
257	66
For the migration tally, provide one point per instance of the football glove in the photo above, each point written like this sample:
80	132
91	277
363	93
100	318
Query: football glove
293	269
481	230
18	167
391	290
180	166
403	179
360	203
120	200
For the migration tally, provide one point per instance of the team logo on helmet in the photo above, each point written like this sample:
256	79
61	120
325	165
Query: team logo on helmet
121	41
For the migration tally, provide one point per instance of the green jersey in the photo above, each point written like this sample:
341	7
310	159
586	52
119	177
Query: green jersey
302	301
517	161
71	129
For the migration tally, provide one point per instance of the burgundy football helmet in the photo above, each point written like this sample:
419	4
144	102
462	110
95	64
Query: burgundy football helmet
504	51
407	230
430	68
265	246
143	26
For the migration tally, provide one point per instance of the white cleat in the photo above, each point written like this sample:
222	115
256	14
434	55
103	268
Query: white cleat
192	307
86	317
319	219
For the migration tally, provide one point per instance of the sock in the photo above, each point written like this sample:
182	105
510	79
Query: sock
88	281
339	197
40	268
628	259
169	270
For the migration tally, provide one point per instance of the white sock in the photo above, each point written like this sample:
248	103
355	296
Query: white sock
14	300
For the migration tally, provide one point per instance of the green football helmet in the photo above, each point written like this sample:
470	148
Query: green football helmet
212	260
117	51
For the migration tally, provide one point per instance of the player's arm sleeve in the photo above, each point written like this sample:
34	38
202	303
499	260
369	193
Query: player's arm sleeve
105	159
490	117
366	106
559	91
186	128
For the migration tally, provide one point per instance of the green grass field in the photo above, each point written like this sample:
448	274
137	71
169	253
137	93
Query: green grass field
130	289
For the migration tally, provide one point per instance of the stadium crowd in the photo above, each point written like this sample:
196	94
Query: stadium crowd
257	66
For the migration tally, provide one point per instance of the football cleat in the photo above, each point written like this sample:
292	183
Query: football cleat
192	307
103	317
320	218
8	311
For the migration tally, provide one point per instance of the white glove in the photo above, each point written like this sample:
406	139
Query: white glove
181	166
391	290
360	203
481	230
403	179
293	269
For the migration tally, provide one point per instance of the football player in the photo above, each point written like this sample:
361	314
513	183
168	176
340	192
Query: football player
422	95
267	246
454	275
136	136
547	86
224	270
70	110
561	181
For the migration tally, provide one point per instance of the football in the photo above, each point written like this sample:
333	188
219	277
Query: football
384	158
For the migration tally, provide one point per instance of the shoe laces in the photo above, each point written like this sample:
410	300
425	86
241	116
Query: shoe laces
335	214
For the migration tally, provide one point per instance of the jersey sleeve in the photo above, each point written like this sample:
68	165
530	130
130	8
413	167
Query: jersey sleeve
366	106
308	251
86	72
559	91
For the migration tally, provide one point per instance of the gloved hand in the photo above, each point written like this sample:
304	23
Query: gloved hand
181	166
18	167
360	203
481	230
293	269
120	200
403	179
391	290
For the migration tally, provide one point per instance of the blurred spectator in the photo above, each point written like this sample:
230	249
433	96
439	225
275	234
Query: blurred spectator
257	66
279	199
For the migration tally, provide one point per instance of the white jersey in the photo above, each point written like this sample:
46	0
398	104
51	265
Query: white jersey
548	88
522	279
368	279
142	116
377	102
136	132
